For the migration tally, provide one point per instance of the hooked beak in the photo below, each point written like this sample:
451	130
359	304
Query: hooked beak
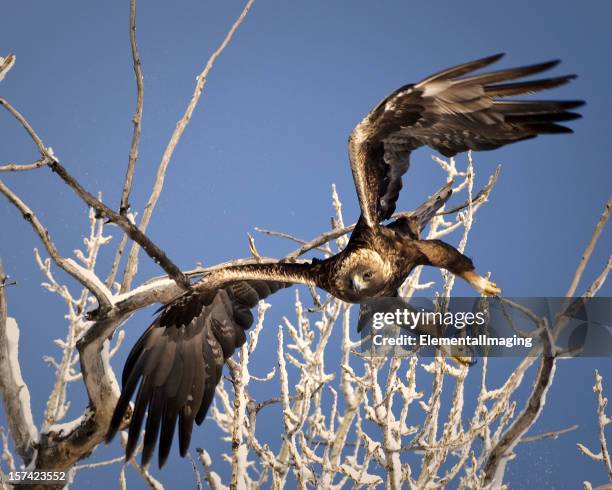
357	284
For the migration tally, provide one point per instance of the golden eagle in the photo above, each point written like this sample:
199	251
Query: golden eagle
177	363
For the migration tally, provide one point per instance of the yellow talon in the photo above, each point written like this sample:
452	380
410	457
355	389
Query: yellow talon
480	284
491	289
460	356
462	360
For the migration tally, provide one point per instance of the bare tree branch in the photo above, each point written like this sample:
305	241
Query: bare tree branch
137	120
62	446
156	253
281	234
502	452
15	393
110	280
83	276
600	280
144	473
603	420
37	141
586	255
481	196
554	434
132	261
14	167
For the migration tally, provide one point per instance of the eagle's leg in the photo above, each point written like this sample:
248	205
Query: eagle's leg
439	254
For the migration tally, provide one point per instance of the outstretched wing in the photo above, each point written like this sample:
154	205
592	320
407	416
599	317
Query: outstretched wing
450	113
176	365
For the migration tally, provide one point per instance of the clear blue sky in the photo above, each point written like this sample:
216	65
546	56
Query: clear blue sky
269	139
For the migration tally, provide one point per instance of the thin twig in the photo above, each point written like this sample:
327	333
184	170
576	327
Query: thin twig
144	472
110	280
586	255
137	120
482	195
196	472
99	464
14	167
599	280
554	434
281	234
603	420
37	141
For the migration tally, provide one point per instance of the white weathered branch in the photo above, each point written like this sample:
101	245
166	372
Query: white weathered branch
603	421
15	392
82	275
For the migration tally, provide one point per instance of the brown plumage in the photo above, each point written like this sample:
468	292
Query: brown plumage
176	365
450	113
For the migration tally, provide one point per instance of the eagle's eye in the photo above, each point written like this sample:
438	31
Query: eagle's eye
367	275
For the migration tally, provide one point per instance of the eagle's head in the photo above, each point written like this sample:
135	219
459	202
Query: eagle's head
366	275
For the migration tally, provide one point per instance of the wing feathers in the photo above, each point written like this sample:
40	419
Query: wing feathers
154	418
129	386
212	378
543	117
176	365
509	74
186	396
522	88
546	128
451	113
535	106
166	435
140	406
457	71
